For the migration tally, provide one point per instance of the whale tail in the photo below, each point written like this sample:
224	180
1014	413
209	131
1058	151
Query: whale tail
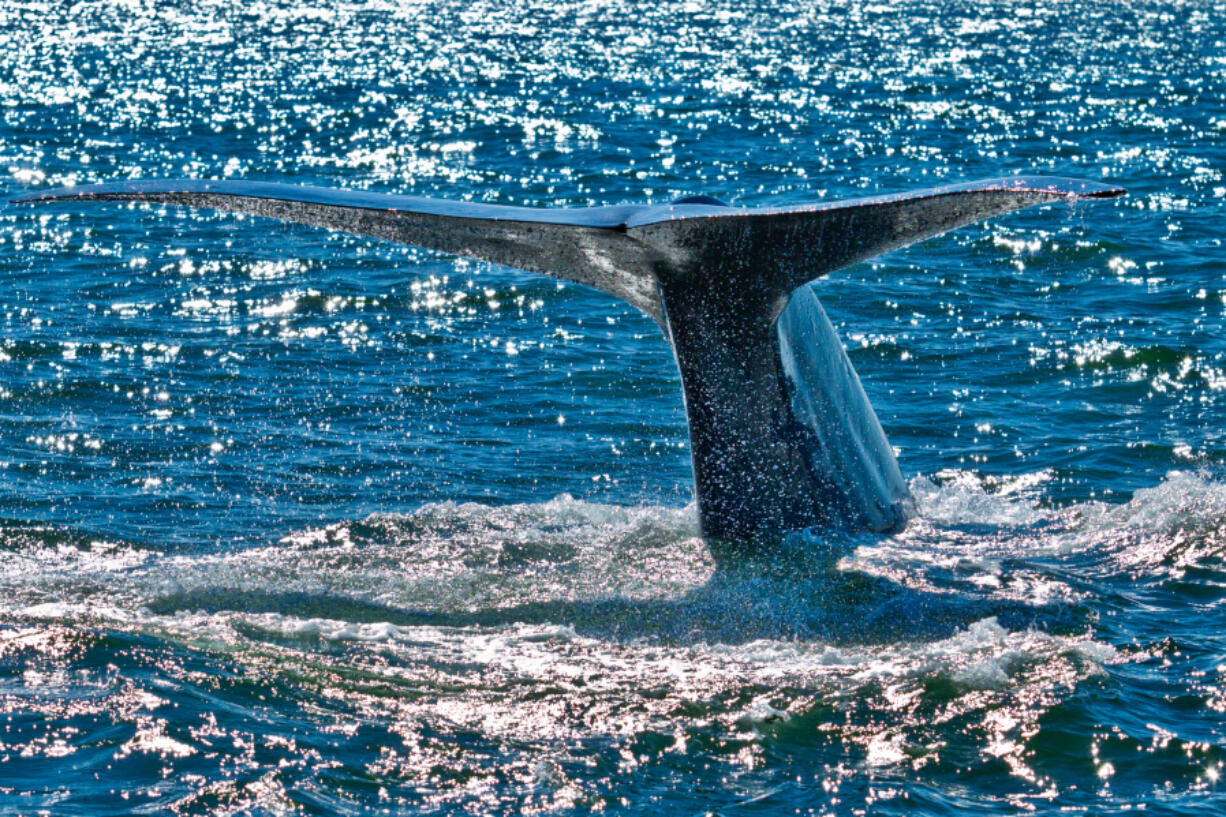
782	434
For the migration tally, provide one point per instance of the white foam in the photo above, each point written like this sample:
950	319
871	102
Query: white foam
962	497
522	611
761	712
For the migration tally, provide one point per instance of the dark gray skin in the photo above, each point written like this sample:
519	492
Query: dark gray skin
782	435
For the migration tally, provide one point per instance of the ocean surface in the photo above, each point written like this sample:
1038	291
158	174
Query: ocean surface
293	522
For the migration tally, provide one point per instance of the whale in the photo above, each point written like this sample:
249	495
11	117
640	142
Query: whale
783	437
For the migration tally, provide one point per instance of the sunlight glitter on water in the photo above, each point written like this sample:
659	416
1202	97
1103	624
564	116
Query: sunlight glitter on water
273	508
732	662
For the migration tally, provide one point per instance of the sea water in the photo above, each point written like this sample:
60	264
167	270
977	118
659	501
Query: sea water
298	523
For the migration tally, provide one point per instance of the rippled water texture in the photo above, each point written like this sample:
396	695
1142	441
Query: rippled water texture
293	522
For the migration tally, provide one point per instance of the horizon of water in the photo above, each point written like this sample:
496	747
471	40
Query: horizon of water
293	522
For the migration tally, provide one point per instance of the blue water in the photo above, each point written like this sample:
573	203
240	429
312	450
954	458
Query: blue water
298	523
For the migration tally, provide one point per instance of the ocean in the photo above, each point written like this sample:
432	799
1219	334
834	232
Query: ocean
293	522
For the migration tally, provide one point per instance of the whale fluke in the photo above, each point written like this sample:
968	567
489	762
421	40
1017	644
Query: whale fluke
782	434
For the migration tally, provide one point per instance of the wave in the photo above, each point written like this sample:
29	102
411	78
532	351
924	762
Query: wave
538	626
631	572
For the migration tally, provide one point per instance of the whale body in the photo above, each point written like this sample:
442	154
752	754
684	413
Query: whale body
782	434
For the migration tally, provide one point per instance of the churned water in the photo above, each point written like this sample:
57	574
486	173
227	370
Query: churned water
298	523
